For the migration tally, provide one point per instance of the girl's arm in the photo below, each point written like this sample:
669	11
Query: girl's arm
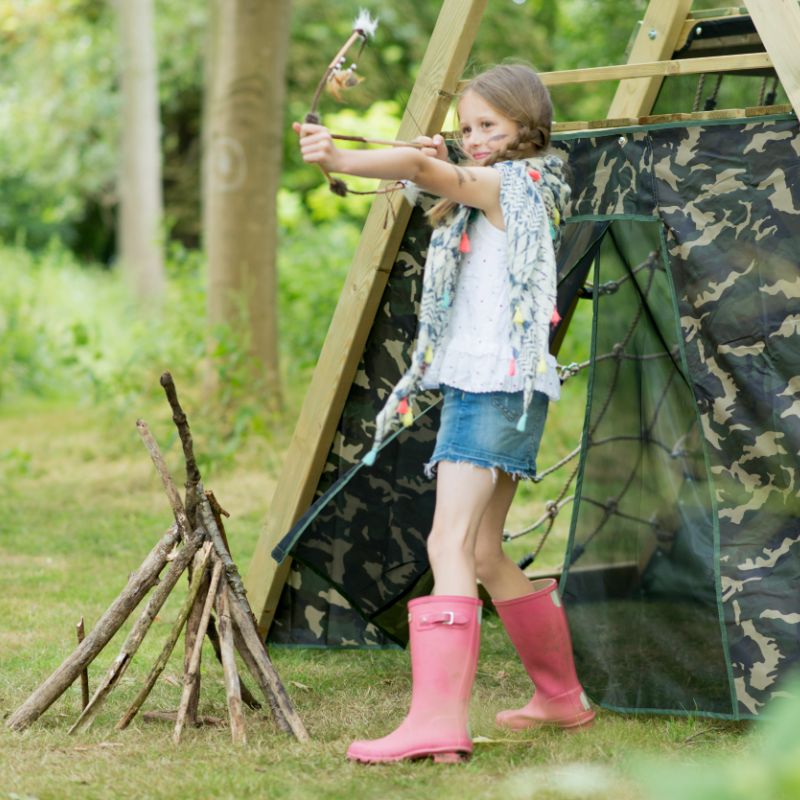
478	187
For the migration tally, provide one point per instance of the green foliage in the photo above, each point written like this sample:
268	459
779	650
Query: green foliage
770	772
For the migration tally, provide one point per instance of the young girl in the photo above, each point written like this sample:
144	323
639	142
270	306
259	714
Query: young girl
487	306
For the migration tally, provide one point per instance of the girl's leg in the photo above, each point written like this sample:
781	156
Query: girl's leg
500	575
535	621
463	492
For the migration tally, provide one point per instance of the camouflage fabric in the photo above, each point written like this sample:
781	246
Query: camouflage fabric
725	201
684	577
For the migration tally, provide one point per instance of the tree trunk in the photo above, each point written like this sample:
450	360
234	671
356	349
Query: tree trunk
243	147
141	204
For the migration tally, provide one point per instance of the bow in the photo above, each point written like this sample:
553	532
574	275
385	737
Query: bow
336	79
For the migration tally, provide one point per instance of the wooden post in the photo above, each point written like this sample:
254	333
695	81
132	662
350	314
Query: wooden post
430	99
656	40
778	25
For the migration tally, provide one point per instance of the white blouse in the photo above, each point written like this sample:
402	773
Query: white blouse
475	353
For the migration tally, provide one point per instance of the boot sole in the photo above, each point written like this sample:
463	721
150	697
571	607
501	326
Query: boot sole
445	757
572	725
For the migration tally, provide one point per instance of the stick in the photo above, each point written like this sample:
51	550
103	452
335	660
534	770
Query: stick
161	467
247	696
218	511
182	424
138	585
232	690
81	634
169	645
137	634
258	661
252	665
181	518
192	628
194	664
231	571
389	142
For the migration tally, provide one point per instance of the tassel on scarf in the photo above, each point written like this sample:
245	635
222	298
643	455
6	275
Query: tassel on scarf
522	422
464	245
512	367
556	318
369	458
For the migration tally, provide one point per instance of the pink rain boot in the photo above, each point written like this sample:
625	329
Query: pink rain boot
537	626
444	638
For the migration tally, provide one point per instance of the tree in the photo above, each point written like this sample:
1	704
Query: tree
140	198
242	167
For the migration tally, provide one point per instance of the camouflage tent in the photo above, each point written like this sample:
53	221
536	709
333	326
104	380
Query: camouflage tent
688	488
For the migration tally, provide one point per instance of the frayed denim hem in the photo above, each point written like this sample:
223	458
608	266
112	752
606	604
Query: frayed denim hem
516	475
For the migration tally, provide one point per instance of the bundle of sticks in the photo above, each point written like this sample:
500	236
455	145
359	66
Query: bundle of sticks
196	543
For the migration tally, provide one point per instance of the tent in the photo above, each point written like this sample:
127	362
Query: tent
682	577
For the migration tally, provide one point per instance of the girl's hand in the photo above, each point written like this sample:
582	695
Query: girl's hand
316	145
435	146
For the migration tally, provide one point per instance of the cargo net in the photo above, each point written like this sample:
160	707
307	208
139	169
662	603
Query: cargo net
641	451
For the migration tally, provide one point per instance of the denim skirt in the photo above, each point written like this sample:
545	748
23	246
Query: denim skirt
481	429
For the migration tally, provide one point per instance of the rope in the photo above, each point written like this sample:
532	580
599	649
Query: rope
618	354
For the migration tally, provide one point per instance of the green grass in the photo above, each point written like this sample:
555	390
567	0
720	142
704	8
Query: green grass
81	506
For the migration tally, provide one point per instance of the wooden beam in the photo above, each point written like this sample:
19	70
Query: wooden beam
682	66
778	25
442	65
655	41
660	119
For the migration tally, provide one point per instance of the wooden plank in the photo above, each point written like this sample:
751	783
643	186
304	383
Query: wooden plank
444	61
681	66
655	41
659	119
778	25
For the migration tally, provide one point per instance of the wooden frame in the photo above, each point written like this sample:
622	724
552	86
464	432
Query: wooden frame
664	23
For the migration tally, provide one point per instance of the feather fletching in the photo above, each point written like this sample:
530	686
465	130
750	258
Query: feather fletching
365	24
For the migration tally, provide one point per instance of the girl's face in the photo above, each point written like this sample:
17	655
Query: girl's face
484	130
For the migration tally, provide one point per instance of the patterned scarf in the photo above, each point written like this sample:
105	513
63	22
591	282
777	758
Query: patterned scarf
533	194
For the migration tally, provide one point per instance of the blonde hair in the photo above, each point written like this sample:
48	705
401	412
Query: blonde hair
517	92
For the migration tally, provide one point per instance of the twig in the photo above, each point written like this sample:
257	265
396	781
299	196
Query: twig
169	645
81	634
138	585
137	634
182	424
194	663
232	684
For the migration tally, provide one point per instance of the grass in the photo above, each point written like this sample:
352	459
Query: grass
81	506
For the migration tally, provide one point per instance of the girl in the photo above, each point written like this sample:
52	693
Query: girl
487	305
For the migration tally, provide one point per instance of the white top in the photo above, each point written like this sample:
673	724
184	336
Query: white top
475	354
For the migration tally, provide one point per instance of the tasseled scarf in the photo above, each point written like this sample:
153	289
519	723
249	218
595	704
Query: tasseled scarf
533	194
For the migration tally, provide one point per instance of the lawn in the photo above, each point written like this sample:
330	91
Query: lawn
82	505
